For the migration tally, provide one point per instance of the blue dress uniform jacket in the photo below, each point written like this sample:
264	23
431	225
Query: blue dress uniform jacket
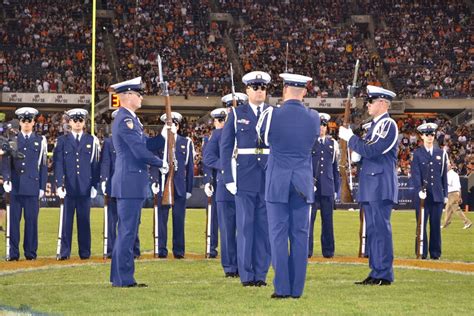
326	175
253	245
183	183
378	191
27	176
107	164
210	176
76	167
249	167
430	172
291	131
225	204
325	166
129	186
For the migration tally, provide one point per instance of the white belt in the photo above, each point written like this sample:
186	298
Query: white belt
253	151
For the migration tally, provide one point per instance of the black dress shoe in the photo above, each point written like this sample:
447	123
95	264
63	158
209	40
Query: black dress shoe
84	258
161	256
136	257
212	256
434	258
295	297
62	258
367	281
231	275
138	285
381	282
309	256
277	296
329	257
260	283
249	283
30	258
178	257
12	259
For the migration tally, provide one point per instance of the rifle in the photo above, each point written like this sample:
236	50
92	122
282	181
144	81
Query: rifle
106	224
362	233
234	99
420	228
170	145
7	224
208	227
60	229
155	225
344	166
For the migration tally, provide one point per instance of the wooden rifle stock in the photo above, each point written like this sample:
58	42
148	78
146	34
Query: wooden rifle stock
419	229
345	165
344	169
168	190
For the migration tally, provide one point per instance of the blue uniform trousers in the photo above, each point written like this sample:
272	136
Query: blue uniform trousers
82	206
433	213
379	238
227	222
326	204
289	221
253	245
178	213
214	227
123	266
112	220
30	206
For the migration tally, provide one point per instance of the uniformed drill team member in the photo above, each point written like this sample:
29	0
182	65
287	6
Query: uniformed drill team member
245	178
378	187
209	179
325	155
429	177
183	188
224	199
107	168
76	170
291	131
130	179
25	180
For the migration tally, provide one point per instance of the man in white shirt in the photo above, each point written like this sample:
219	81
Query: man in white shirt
454	198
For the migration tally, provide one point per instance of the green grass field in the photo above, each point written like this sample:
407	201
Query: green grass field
199	287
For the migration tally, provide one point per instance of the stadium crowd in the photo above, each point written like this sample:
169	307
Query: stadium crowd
46	48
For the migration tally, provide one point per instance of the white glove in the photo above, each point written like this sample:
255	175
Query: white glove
188	195
231	187
208	189
355	157
335	195
422	195
155	188
7	186
164	130
41	193
93	193
165	168
61	192
345	133
445	200
315	188
103	186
